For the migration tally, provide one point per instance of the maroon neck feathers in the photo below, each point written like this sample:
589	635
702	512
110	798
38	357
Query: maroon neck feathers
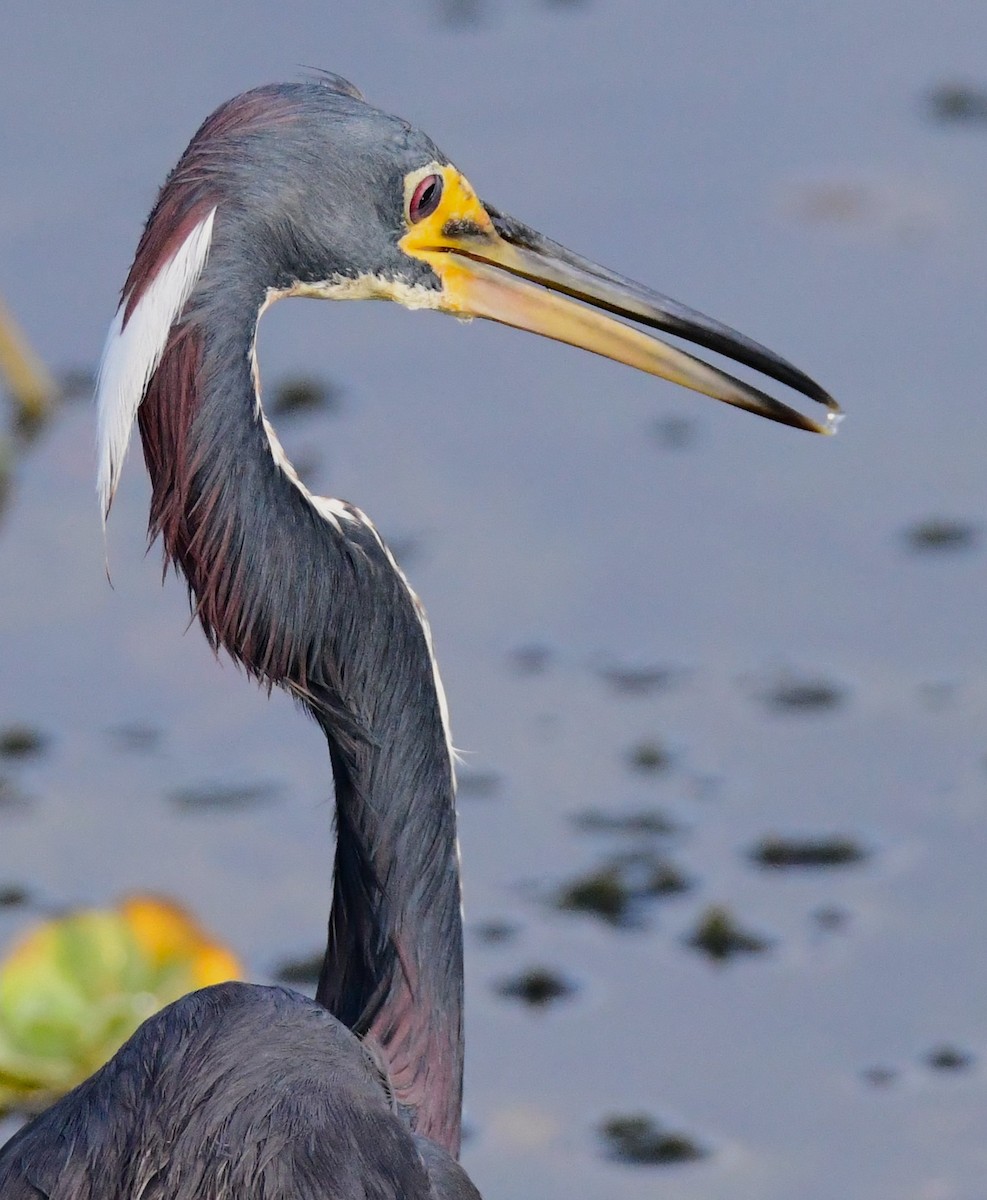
303	594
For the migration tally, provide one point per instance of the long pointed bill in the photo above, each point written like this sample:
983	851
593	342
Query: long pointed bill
493	266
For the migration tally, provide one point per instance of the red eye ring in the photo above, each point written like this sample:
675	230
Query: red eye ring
425	198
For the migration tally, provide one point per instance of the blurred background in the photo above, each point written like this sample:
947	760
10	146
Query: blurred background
721	687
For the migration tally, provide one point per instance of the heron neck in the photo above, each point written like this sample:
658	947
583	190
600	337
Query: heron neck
393	964
303	593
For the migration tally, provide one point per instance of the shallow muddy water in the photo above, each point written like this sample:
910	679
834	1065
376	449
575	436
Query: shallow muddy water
644	604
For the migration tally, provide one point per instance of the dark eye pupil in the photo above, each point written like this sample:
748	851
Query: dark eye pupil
426	198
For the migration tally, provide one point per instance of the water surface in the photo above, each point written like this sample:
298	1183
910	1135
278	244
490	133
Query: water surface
565	520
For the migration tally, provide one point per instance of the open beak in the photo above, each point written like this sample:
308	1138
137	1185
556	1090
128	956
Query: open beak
493	266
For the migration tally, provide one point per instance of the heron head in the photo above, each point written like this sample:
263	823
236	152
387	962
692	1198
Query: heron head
386	215
317	193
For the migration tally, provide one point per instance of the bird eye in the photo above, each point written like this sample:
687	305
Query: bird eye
425	199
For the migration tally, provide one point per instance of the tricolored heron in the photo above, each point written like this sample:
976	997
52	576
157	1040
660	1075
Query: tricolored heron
246	1091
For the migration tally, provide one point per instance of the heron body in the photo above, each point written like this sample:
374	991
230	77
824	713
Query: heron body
259	1093
235	1091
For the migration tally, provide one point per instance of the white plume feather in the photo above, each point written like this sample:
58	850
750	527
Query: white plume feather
132	353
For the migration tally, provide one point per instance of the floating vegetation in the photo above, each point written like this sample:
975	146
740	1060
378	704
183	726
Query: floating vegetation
21	741
28	423
470	14
833	202
831	918
533	659
640	1140
601	893
480	785
720	936
13	895
938	696
781	853
649	758
301	972
675	432
642	823
616	891
77	383
304	395
460	14
941	533
880	1076
957	104
638	681
222	796
537	987
73	989
665	880
949	1058
496	932
804	695
136	738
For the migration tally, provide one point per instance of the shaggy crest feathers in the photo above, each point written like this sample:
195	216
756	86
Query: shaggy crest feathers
336	83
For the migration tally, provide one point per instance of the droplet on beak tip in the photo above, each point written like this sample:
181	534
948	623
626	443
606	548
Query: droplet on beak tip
834	419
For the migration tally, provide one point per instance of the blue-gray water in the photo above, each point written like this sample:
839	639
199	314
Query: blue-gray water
775	165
